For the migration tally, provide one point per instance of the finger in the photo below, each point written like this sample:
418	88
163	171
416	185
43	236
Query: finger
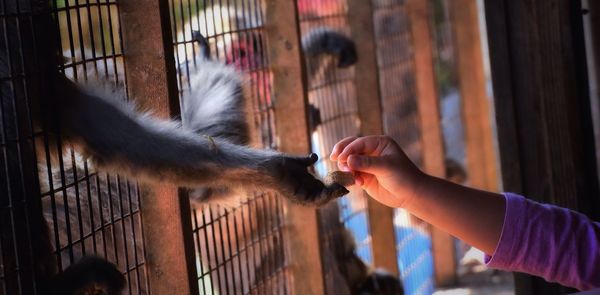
368	164
312	158
365	179
342	166
359	178
339	147
336	190
370	145
307	160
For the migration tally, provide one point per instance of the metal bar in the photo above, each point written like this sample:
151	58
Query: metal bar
380	217
479	135
290	99
433	147
151	79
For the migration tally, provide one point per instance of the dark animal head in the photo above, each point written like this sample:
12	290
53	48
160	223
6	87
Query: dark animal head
324	40
361	279
91	275
380	282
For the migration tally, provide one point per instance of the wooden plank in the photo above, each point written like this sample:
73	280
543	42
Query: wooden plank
476	112
290	99
151	81
593	53
380	217
540	84
433	147
506	122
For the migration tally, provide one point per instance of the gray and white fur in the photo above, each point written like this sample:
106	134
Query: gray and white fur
213	128
114	136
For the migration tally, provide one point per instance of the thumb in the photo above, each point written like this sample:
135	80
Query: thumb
367	164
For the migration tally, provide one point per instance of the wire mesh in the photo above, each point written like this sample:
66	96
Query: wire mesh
332	91
90	212
401	121
86	213
447	82
23	244
239	250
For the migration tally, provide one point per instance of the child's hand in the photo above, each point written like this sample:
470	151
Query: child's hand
381	168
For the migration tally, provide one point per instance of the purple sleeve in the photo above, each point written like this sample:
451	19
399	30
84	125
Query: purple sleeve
551	242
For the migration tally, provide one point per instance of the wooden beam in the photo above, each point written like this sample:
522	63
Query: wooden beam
151	80
433	146
380	217
476	112
592	22
541	93
290	98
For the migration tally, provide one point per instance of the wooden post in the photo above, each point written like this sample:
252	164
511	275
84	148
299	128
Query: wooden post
151	80
290	98
433	146
479	135
543	108
380	217
593	54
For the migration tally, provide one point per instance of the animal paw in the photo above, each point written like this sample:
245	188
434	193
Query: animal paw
293	180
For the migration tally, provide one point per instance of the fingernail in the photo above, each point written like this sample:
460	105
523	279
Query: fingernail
355	162
344	167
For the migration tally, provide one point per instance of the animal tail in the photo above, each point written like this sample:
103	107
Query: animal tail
327	41
214	105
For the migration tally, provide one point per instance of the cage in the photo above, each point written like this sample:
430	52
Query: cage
251	246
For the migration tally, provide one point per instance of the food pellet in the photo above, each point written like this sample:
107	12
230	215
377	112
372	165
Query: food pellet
340	177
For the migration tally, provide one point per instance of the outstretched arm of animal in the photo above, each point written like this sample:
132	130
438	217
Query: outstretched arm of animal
114	136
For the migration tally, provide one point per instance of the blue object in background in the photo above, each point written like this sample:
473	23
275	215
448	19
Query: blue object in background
357	223
415	261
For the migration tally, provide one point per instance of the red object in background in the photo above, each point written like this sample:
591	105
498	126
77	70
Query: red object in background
246	54
314	8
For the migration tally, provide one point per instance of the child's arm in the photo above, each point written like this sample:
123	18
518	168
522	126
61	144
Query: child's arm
384	171
555	243
548	241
